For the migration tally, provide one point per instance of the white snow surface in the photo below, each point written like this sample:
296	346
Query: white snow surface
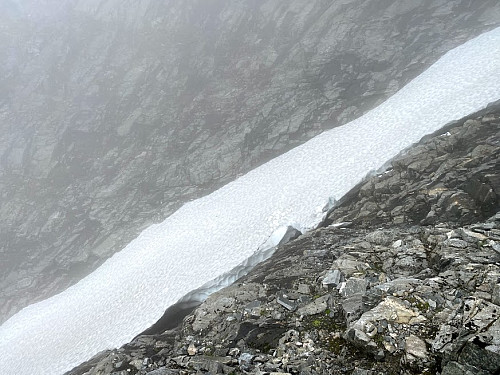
212	235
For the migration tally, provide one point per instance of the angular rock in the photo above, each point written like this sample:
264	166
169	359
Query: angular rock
416	347
286	303
318	306
484	359
332	278
354	286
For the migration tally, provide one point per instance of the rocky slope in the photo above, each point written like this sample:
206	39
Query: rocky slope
404	278
113	113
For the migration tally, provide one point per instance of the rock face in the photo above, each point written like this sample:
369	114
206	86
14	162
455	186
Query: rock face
391	297
113	113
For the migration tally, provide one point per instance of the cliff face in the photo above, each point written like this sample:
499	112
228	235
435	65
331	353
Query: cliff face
410	288
113	113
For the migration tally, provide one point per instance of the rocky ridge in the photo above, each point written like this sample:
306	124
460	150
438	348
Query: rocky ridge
113	113
404	278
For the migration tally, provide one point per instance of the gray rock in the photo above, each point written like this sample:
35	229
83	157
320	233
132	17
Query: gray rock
455	242
349	265
245	360
354	286
416	347
473	355
362	331
380	237
352	308
332	278
454	368
318	306
304	289
286	303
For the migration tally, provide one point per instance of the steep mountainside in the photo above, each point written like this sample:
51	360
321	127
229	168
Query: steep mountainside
113	113
409	285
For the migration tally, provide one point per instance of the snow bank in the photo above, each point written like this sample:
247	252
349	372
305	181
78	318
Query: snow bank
212	235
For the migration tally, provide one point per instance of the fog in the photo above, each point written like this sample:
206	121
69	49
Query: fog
115	113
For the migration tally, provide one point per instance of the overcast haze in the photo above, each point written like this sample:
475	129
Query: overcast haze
114	113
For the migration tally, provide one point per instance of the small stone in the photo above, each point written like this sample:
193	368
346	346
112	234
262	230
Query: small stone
352	308
398	220
286	303
304	289
260	359
495	246
354	286
349	265
432	304
379	355
482	295
317	306
192	349
245	359
471	236
380	237
137	363
455	242
397	244
416	347
495	296
332	278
